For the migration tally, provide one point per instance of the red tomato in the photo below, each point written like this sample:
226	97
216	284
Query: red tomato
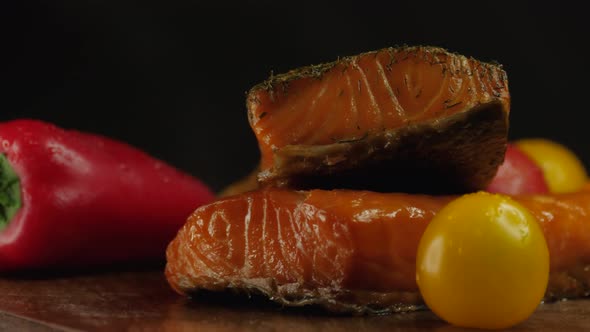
519	174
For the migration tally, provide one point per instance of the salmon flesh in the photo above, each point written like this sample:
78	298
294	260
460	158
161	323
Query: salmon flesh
349	251
407	119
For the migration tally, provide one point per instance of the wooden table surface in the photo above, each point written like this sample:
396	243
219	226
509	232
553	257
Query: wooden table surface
142	301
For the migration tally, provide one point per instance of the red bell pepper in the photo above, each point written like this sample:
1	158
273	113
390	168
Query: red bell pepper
72	199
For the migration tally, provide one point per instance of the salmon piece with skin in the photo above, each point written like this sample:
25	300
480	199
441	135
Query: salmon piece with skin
408	119
349	251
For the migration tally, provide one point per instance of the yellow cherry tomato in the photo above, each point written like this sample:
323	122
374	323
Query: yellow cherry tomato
562	169
483	262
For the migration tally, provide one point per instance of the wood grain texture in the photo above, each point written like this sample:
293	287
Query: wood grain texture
9	322
143	301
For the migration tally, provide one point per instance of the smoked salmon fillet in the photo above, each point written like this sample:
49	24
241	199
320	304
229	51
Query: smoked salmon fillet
349	251
407	119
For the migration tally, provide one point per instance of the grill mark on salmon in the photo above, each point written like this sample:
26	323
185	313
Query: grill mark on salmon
247	265
394	102
373	106
295	127
349	251
360	101
353	107
326	121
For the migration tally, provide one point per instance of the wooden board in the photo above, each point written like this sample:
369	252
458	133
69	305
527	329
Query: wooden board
142	301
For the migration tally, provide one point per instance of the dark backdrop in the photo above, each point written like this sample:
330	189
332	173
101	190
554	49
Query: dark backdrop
170	76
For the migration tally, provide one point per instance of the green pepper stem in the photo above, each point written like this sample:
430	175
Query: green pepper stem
10	195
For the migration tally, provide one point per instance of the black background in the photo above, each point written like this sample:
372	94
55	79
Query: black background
170	76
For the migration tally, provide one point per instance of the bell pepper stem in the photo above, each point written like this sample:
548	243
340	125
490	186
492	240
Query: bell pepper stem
10	192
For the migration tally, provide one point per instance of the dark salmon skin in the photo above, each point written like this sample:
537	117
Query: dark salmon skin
349	251
408	109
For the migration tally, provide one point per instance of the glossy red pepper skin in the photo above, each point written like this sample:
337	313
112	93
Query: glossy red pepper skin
88	200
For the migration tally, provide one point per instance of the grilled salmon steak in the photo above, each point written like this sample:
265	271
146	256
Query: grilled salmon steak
408	119
349	251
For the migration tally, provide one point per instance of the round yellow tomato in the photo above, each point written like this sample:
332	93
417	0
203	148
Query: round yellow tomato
562	169
483	262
